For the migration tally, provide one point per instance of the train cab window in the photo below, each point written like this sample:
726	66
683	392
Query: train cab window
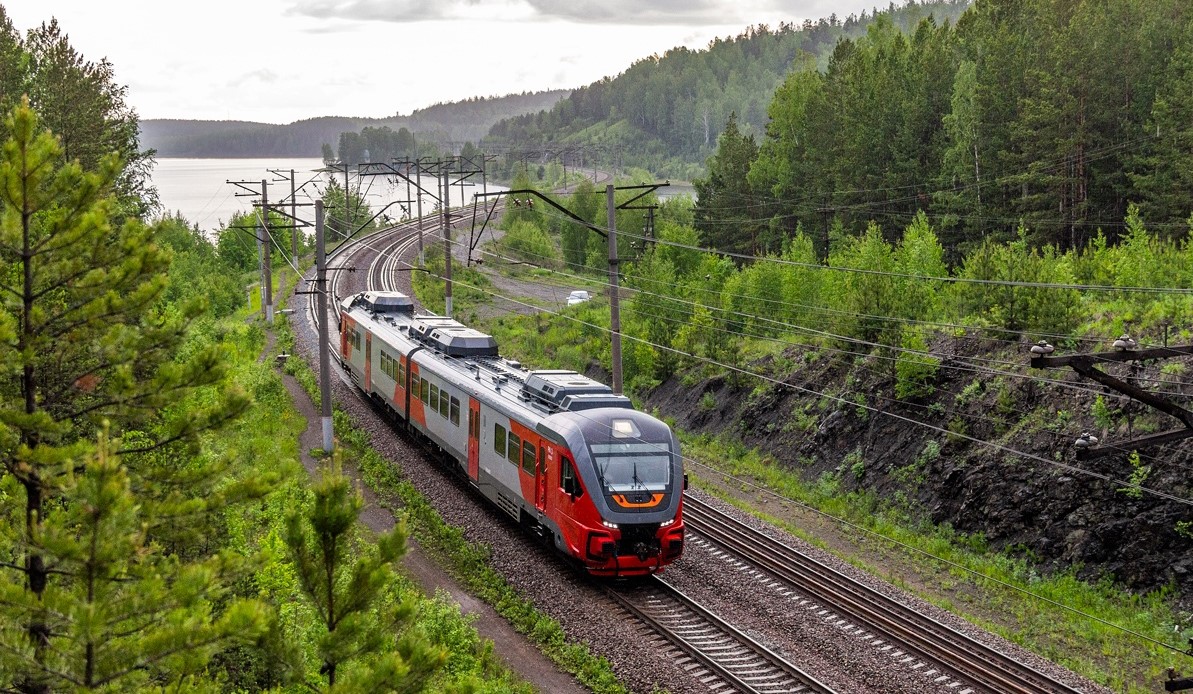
445	405
567	479
499	439
455	411
528	458
434	398
514	452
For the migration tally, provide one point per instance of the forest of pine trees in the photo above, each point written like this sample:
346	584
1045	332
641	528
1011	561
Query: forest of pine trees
1053	114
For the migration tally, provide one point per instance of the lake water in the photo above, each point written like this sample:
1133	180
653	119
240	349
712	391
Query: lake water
199	188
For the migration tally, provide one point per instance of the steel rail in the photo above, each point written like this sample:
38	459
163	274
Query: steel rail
980	666
738	660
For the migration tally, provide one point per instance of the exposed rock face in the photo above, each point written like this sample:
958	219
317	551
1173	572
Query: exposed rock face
1046	506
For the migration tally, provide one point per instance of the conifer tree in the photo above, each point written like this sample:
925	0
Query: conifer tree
346	585
86	344
120	613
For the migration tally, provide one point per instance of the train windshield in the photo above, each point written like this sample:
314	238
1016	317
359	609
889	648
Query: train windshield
633	467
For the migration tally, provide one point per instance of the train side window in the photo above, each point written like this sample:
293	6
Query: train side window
455	411
426	391
499	438
567	479
415	385
528	458
514	452
401	372
445	405
434	398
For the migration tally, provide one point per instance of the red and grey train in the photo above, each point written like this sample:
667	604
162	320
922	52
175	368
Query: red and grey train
555	450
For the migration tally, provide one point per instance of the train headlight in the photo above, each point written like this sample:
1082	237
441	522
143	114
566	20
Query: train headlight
665	523
625	429
607	524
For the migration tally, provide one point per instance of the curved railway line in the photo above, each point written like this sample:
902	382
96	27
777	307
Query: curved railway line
714	652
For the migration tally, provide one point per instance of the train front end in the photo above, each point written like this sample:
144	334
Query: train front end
629	462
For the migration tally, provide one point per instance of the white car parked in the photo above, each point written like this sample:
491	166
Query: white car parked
578	296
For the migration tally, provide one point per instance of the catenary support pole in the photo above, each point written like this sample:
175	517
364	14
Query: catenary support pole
293	221
265	238
447	246
614	307
321	303
418	183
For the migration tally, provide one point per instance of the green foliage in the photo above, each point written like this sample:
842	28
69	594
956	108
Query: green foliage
856	464
194	268
528	241
665	112
346	214
1139	475
1103	417
345	586
722	220
971	391
914	369
121	613
97	346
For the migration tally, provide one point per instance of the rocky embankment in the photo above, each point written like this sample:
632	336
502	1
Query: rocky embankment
967	468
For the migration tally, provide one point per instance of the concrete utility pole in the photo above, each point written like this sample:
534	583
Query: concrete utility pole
266	275
293	218
614	307
447	246
418	183
321	302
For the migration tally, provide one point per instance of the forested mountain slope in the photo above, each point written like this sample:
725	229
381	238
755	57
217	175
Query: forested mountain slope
443	123
666	112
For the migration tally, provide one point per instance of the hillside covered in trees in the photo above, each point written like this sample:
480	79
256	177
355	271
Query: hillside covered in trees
442	124
665	113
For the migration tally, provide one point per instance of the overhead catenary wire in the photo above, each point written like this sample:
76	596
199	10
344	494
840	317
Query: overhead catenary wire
852	340
997	446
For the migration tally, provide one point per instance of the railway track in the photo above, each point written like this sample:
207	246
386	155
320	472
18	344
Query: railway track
945	656
708	648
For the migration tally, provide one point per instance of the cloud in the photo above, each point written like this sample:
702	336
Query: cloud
262	76
409	11
672	12
622	12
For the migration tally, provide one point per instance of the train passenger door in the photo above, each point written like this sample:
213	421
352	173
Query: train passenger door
368	362
474	438
540	480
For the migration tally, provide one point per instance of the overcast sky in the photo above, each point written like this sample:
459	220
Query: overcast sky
278	61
